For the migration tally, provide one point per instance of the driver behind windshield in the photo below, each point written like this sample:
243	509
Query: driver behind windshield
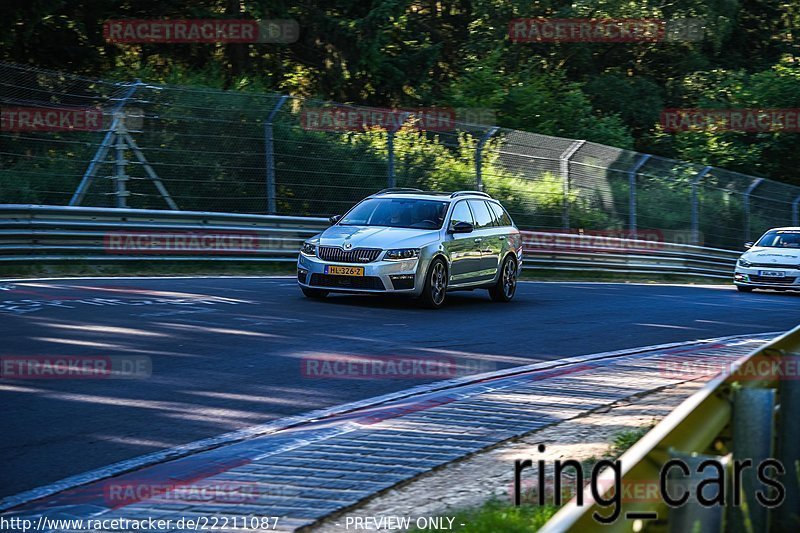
776	239
789	240
395	213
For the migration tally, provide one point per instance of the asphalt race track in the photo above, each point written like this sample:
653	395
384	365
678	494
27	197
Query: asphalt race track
227	353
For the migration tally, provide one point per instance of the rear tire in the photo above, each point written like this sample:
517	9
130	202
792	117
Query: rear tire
435	289
314	293
740	288
506	286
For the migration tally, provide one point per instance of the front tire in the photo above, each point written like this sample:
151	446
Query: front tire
506	286
741	288
435	289
314	293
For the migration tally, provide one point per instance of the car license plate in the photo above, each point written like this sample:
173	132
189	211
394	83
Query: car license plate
344	270
772	274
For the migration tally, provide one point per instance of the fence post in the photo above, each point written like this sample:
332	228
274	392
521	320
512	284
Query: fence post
796	211
269	156
747	193
391	180
102	150
564	168
695	208
479	157
632	192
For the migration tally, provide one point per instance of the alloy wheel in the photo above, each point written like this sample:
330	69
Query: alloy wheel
509	278
438	283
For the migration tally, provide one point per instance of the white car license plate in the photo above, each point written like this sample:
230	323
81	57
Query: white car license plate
772	274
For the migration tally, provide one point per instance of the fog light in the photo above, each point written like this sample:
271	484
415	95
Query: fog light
302	273
402	281
740	277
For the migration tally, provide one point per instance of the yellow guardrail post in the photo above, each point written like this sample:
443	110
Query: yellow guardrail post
787	516
731	420
693	516
753	435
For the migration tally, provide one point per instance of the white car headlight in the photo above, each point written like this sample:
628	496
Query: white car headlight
744	263
401	253
309	249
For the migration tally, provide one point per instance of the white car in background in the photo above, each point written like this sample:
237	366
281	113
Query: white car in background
772	262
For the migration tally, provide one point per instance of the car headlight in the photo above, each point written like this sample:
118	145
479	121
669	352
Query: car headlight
401	253
309	249
744	263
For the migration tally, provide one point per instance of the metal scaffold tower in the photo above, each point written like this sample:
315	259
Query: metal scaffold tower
120	140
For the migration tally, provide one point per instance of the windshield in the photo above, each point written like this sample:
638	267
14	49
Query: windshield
780	239
397	213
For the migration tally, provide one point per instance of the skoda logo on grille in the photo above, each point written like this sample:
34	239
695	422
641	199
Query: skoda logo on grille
348	245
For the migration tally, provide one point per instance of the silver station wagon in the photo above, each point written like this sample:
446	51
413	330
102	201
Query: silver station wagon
423	244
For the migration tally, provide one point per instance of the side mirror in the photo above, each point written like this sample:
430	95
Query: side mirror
748	245
334	219
462	227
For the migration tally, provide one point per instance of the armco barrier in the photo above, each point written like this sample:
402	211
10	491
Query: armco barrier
37	233
746	413
592	252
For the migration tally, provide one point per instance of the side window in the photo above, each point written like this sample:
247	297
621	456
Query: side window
501	217
483	218
496	221
461	213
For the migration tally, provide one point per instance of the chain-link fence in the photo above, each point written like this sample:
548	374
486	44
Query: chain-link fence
69	140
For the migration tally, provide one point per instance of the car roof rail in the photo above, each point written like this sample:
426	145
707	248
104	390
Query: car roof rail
397	189
465	193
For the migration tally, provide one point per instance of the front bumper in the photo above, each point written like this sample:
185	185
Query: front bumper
751	277
381	277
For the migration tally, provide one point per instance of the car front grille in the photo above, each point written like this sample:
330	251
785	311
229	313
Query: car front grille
357	255
774	281
347	282
773	265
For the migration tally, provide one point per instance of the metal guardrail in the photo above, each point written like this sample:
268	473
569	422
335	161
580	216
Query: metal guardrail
36	233
747	413
600	253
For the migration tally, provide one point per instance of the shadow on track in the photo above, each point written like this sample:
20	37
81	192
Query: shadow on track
478	299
